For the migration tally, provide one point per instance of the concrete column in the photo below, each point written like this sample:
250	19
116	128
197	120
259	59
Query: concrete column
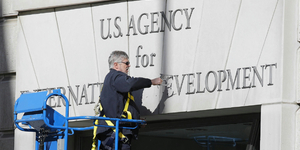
278	126
24	140
297	141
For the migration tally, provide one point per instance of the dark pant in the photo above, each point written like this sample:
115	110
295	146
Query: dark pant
105	139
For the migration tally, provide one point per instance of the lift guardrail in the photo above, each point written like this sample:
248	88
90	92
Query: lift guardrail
50	126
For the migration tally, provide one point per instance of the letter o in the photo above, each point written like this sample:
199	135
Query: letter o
145	63
206	81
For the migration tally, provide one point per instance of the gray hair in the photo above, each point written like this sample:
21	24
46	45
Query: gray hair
116	56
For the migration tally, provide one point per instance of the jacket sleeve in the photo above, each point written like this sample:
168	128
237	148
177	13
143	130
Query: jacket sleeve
124	83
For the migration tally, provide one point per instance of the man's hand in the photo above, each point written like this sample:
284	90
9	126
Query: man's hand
156	81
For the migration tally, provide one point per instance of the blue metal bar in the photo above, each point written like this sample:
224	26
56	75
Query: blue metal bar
106	118
22	129
58	93
99	143
117	135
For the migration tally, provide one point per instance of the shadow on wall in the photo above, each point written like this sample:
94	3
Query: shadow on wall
138	96
7	82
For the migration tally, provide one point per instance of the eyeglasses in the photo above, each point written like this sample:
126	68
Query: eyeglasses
126	63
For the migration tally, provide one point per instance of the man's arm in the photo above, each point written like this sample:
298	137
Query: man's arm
156	81
126	83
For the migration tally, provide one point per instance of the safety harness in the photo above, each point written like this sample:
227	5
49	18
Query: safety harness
126	114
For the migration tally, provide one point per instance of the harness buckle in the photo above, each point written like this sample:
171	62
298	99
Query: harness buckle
124	114
124	140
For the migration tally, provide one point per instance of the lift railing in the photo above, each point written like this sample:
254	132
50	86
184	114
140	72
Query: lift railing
50	126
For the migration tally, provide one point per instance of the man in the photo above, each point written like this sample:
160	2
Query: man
116	89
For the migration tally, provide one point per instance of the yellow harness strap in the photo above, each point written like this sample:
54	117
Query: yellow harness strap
129	116
94	146
109	123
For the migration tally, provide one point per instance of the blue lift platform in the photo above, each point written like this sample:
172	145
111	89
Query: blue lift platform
52	128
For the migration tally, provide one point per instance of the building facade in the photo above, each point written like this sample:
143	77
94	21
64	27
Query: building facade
230	68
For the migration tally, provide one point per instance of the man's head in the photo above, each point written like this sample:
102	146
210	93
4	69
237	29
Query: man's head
119	61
